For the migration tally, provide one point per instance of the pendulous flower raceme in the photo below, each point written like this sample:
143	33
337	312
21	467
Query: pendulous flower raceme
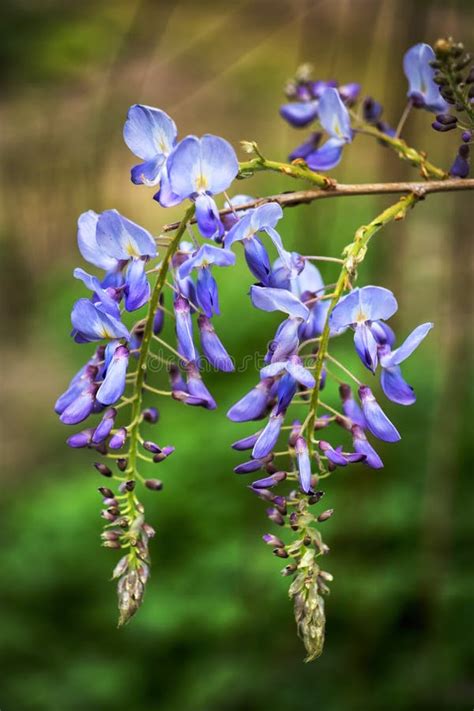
113	384
288	380
150	297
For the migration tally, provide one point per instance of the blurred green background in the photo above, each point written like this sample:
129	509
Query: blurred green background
216	631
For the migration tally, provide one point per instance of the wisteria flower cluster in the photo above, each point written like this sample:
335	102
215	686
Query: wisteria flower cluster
140	280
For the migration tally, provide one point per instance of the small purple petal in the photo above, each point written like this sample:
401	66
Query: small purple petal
363	446
246	442
326	157
350	407
408	346
113	385
206	292
377	421
212	347
366	346
252	465
299	113
268	437
197	389
270	299
253	405
269	481
118	439
104	427
304	464
137	288
184	329
80	439
80	408
395	387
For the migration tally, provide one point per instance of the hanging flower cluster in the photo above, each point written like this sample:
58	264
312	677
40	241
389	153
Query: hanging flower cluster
294	286
127	256
439	79
111	399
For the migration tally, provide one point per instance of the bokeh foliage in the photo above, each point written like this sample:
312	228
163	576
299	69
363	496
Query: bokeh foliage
215	632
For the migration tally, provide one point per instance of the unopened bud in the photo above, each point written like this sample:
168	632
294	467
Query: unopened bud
122	464
111	544
103	469
289	569
275	516
148	530
325	515
108	493
294	521
154	484
121	567
108	516
280	553
151	415
110	535
272	540
315	498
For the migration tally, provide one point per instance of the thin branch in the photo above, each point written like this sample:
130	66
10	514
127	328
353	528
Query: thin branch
301	197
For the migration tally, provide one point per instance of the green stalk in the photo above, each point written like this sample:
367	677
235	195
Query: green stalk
353	255
131	471
297	170
405	152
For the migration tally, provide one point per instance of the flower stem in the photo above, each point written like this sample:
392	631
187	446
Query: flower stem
298	170
405	152
353	254
139	382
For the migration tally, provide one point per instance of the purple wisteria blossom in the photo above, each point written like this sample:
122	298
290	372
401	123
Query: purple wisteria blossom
112	242
199	168
335	120
206	286
359	309
307	94
422	90
261	219
151	135
391	380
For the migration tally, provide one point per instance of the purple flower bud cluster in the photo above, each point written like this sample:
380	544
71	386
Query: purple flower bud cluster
440	81
196	169
325	102
294	286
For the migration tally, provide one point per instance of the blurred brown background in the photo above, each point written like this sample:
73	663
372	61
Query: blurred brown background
216	631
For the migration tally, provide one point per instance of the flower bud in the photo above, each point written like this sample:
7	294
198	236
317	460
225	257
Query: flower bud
122	464
151	415
107	493
289	569
148	530
80	439
165	452
118	439
275	516
151	447
272	540
108	516
103	469
315	498
325	515
121	567
154	484
280	553
127	486
110	535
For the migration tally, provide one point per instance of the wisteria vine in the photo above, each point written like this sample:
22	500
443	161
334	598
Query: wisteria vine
171	276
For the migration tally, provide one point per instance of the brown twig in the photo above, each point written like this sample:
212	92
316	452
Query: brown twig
301	197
